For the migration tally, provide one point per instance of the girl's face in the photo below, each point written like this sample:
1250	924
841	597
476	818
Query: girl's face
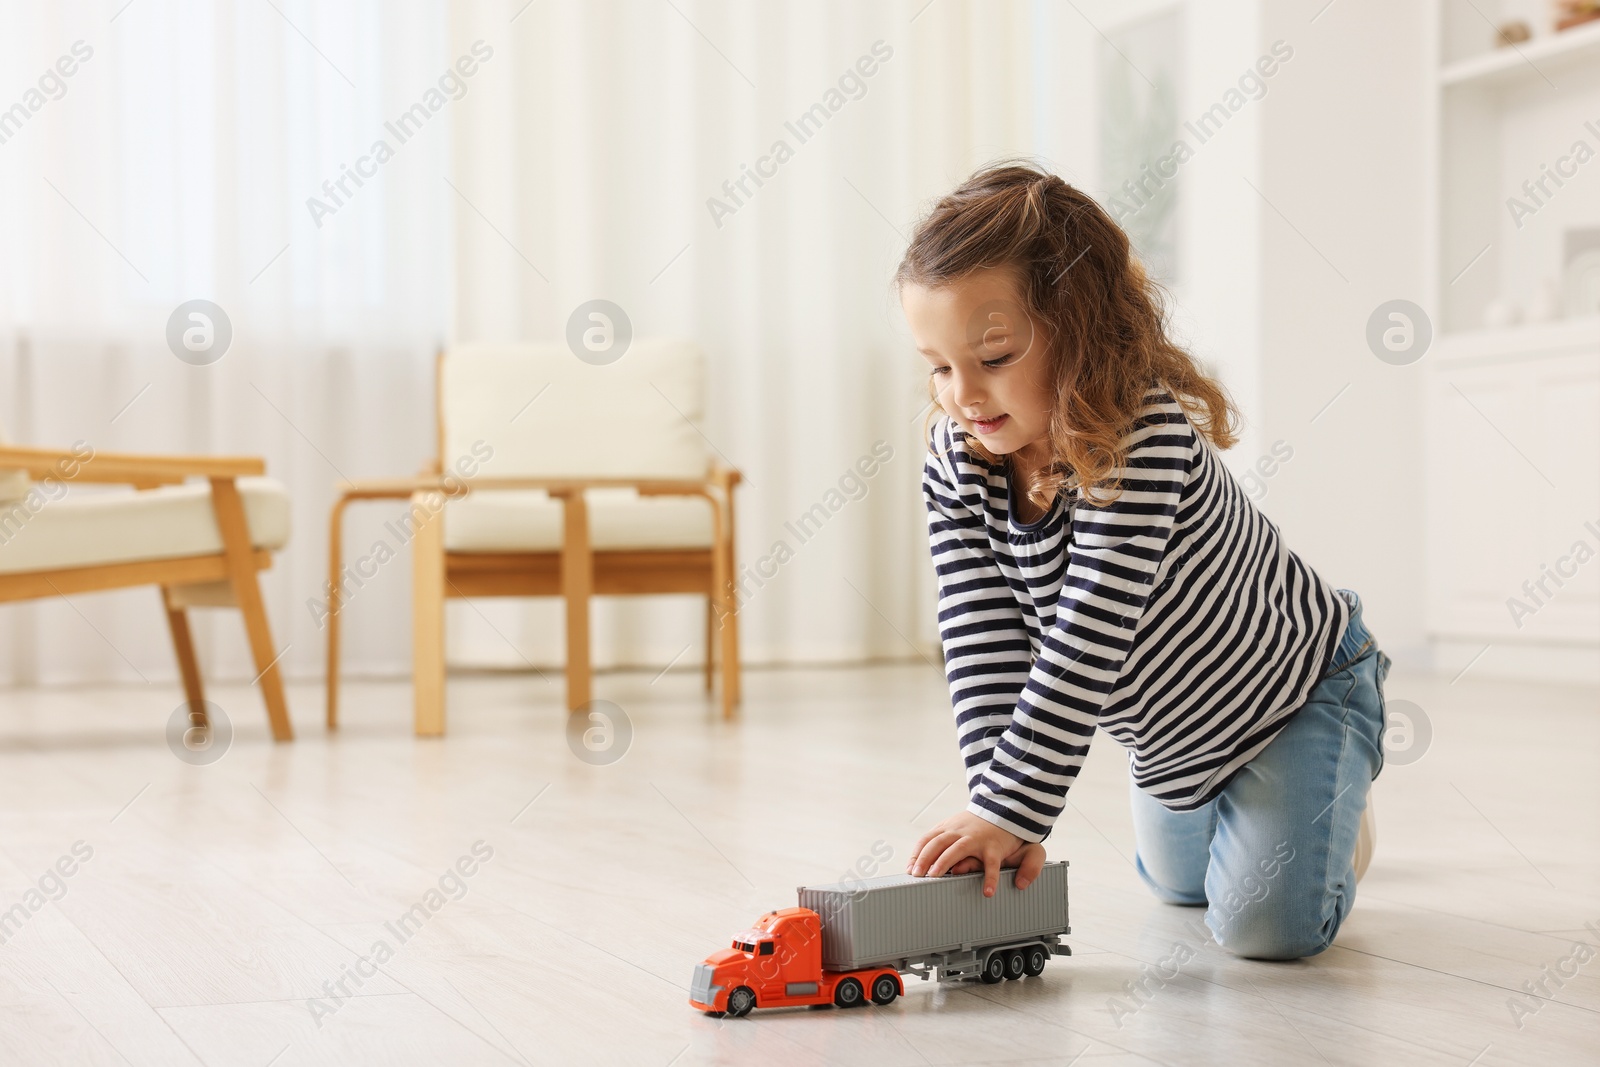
987	356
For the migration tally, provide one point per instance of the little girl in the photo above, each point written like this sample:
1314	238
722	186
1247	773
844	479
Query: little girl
1099	566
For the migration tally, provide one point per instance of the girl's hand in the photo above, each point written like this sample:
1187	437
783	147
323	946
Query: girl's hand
1028	860
965	843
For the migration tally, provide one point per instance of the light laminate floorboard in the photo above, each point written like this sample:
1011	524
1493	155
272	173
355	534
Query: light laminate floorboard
224	903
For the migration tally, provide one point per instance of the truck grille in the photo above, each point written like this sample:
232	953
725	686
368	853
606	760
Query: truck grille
701	991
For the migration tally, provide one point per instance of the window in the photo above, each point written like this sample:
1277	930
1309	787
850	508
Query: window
766	948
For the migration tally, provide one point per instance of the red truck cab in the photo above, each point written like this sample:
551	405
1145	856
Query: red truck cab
778	963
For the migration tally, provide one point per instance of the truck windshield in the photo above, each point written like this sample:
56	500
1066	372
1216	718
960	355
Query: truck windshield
744	946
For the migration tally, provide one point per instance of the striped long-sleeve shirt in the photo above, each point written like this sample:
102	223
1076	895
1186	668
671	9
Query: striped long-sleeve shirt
1173	617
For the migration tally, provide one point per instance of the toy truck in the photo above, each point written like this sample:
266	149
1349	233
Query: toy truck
851	942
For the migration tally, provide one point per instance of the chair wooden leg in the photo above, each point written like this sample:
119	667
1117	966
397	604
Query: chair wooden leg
711	659
730	655
188	665
335	602
577	586
731	694
427	613
229	510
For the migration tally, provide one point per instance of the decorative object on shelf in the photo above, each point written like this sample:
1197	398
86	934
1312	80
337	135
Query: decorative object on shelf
1514	31
1570	13
1581	276
1545	302
1501	311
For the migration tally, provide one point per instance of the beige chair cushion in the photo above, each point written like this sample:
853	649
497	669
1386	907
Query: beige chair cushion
84	528
530	521
13	482
638	417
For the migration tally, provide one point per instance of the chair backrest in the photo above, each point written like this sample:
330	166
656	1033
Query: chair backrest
14	483
546	413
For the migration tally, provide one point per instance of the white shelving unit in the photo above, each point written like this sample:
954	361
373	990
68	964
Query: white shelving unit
1550	55
1512	414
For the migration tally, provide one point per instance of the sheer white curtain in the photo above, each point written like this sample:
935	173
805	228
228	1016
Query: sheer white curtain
175	163
575	162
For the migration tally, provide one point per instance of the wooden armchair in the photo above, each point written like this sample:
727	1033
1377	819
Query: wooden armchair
202	544
561	478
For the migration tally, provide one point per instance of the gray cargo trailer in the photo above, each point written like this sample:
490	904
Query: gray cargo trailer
920	924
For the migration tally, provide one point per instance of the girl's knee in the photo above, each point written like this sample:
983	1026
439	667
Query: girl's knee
1273	906
1269	934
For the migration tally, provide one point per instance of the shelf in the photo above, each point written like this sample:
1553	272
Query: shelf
1529	61
1523	339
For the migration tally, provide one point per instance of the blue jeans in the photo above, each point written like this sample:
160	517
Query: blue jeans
1271	855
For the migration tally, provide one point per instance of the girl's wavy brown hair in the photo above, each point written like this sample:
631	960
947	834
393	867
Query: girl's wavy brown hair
1098	313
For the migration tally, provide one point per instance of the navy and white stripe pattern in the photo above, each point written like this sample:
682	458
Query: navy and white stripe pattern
1172	617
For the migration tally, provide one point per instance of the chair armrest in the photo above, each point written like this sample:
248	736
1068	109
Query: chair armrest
725	478
84	464
387	488
453	486
562	486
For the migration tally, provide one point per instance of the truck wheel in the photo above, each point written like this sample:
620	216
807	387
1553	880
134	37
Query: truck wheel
994	968
740	1001
849	994
884	989
1034	958
1014	965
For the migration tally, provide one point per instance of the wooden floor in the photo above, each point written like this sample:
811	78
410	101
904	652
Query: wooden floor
221	901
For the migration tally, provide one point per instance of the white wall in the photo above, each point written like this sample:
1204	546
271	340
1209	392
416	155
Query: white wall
1342	171
1219	299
